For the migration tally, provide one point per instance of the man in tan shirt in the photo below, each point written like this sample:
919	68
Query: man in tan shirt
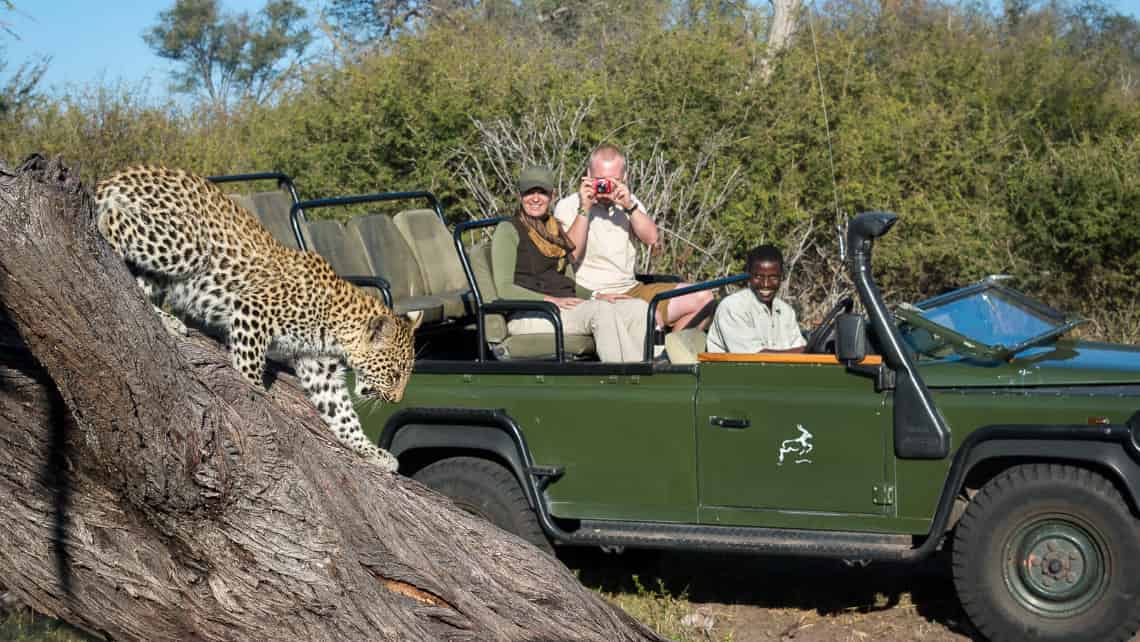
603	224
755	319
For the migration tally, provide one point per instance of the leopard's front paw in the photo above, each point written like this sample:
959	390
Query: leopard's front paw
385	460
173	324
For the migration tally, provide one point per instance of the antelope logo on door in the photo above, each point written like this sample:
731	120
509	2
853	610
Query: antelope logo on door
796	449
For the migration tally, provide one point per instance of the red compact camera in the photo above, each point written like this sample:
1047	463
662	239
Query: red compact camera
603	186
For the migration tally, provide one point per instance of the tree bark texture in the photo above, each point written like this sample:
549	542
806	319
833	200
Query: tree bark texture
149	493
785	16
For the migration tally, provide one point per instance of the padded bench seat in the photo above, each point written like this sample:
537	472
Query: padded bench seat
389	256
272	210
434	250
346	253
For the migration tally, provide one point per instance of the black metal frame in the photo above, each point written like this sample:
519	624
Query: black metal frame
283	180
544	308
297	213
649	279
650	318
378	282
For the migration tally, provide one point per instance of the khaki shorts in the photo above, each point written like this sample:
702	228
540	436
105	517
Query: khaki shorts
646	292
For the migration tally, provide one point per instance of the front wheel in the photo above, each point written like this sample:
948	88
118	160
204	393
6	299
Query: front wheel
486	489
1049	552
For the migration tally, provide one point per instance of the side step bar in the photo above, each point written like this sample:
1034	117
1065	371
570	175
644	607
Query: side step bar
785	541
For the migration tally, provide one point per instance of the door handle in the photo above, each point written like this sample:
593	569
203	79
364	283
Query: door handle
729	422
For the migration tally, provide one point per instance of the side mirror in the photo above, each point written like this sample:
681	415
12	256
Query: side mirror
850	338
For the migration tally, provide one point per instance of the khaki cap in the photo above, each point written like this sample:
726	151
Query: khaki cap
535	176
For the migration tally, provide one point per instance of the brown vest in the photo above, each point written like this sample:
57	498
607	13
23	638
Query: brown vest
536	271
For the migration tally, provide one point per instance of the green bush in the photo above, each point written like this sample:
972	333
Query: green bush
1005	145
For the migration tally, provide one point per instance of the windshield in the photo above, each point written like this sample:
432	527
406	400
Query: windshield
985	321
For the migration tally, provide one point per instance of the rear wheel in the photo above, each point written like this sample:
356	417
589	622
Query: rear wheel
1049	552
486	489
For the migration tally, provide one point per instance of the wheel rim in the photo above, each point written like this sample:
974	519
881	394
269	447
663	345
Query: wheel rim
1056	566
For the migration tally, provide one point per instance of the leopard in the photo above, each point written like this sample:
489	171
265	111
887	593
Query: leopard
196	251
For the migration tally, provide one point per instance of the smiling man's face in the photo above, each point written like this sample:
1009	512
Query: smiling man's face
764	281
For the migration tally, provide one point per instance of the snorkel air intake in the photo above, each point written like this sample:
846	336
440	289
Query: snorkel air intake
919	431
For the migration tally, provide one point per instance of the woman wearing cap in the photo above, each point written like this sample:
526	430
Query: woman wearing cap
530	257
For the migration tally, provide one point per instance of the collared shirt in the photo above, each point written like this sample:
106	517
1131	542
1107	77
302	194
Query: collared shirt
743	324
608	263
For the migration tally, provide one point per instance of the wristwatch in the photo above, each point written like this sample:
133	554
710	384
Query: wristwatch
632	208
583	212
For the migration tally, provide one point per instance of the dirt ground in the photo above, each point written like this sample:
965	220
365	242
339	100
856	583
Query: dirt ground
763	599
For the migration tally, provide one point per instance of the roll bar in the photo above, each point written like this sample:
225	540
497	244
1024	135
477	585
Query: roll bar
297	213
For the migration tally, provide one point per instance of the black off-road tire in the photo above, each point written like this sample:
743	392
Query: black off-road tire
487	489
1049	552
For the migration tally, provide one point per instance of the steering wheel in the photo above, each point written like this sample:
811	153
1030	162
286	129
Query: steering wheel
818	337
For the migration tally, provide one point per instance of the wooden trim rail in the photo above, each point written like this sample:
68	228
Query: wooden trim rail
783	357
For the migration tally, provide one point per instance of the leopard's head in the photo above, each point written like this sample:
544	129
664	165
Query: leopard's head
384	354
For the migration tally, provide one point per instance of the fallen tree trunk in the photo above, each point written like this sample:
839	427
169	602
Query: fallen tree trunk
150	493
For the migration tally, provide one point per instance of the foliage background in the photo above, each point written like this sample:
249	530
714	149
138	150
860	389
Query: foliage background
1008	141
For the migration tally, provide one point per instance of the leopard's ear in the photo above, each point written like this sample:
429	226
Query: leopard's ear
380	327
416	317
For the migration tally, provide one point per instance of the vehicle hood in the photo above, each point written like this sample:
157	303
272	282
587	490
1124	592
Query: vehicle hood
1064	363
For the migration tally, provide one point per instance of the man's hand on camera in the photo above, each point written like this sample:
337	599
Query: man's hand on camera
586	195
623	198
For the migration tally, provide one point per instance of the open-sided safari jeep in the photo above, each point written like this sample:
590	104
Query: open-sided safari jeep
964	419
963	422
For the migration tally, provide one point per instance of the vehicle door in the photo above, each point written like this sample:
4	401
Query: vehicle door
790	441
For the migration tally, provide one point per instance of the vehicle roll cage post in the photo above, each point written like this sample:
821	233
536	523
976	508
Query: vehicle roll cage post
650	318
545	308
283	180
919	431
297	216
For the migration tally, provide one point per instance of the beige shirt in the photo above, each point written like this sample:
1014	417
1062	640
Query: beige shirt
608	263
743	324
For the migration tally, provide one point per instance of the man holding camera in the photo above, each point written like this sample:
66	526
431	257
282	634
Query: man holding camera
602	220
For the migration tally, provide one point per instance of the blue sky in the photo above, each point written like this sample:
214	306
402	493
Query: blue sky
93	41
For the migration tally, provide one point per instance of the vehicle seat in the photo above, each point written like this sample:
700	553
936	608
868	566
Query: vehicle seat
521	346
245	202
345	252
683	346
390	257
434	250
272	209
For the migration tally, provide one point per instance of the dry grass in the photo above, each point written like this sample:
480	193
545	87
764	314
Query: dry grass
707	597
22	625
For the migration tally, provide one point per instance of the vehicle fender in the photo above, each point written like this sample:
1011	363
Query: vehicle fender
487	430
1113	458
1114	448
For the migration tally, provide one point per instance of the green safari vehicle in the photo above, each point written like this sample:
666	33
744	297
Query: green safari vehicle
966	421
